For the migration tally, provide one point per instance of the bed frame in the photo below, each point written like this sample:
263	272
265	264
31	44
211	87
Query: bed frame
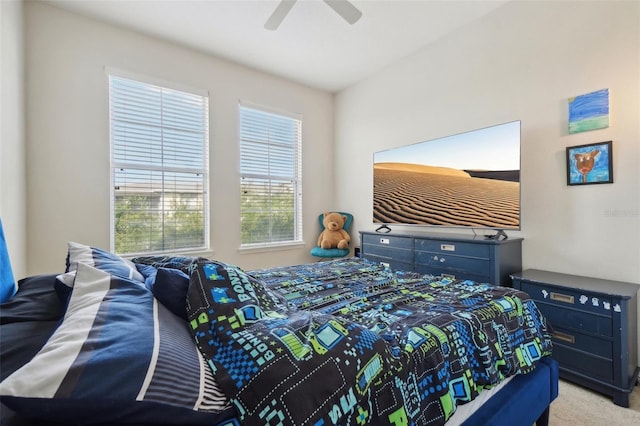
525	397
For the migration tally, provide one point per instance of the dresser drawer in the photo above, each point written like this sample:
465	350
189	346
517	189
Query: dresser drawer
453	247
566	297
388	241
581	362
576	319
398	255
390	263
448	261
469	257
452	273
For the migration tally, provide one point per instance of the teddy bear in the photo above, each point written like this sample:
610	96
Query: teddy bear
334	235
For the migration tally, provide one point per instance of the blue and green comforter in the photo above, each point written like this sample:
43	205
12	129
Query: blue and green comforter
349	342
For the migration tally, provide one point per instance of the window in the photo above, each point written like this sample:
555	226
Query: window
271	177
159	163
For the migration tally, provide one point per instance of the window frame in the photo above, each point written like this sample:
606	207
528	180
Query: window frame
204	170
296	118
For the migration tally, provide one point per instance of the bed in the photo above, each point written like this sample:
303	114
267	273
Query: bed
193	341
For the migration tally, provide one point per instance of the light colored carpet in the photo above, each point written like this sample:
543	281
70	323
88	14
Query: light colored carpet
576	405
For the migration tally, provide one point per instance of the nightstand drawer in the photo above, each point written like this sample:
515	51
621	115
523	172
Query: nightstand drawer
566	297
575	319
582	362
583	342
453	247
447	261
388	241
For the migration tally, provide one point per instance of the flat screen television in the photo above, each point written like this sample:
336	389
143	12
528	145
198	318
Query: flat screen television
471	179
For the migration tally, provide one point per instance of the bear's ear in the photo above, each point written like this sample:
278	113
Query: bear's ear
325	214
344	219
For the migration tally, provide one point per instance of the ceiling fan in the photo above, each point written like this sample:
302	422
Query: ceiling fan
342	7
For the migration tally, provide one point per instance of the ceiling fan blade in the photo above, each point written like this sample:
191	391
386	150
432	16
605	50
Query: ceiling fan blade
345	9
278	15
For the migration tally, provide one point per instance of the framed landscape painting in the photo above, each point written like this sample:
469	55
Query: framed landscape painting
590	164
589	111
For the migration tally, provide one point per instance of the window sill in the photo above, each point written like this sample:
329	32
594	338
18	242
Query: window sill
258	248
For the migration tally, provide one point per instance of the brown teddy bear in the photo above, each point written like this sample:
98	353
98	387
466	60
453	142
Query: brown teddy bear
334	235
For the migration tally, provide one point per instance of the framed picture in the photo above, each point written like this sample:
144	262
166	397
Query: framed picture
590	164
589	111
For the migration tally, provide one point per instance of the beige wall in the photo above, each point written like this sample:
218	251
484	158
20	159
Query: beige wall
13	205
68	134
521	62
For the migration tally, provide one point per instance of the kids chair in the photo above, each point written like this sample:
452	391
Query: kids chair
333	253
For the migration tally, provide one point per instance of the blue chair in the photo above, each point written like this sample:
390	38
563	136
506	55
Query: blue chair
333	253
8	285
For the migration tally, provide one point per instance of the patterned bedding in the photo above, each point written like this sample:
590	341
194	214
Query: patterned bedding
111	341
349	342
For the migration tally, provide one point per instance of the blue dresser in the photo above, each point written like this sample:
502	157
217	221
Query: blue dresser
458	256
594	328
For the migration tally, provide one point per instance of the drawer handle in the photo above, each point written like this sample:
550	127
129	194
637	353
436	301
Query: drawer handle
450	276
559	297
385	264
447	247
564	337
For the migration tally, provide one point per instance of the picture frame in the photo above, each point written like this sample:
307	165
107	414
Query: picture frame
589	111
590	164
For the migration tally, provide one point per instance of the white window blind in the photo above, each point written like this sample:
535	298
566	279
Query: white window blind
271	177
159	159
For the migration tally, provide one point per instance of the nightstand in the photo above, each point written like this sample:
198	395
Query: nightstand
594	328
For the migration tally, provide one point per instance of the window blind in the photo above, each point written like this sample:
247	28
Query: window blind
159	159
271	174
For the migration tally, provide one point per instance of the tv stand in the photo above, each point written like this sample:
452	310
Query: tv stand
455	256
383	228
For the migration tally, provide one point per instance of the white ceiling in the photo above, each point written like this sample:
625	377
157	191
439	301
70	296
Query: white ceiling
313	45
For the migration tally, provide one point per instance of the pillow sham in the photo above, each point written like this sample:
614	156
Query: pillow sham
168	285
183	263
117	357
96	257
101	259
27	321
35	300
170	288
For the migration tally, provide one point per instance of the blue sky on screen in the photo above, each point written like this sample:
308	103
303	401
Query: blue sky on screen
492	148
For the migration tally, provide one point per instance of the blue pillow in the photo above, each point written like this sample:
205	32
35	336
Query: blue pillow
170	288
168	285
148	272
117	357
99	259
7	284
183	263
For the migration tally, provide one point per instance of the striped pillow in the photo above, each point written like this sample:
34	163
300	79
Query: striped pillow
118	356
101	259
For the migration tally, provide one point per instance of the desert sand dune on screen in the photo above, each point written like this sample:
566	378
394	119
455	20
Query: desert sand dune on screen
420	168
430	195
